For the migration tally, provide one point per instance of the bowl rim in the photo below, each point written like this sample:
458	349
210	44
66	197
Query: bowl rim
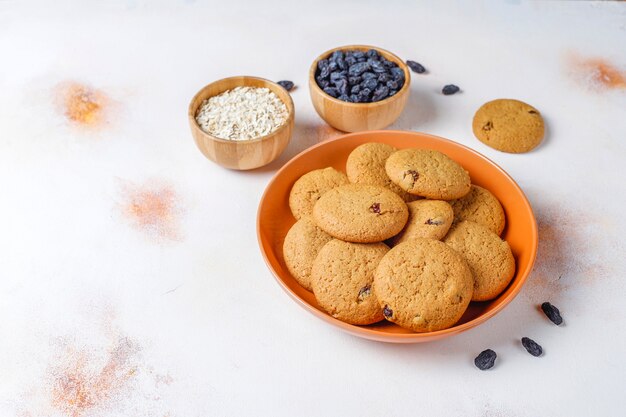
373	333
387	100
191	111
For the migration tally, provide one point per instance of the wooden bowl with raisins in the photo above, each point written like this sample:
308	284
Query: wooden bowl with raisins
359	87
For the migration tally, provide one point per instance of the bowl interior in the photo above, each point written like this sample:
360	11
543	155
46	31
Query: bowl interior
225	84
275	219
386	54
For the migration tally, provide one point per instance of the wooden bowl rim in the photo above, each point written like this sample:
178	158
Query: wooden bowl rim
372	333
394	57
194	123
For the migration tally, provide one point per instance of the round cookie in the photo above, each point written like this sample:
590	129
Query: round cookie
366	165
428	173
302	244
310	187
423	285
489	257
429	219
361	213
509	125
482	207
342	279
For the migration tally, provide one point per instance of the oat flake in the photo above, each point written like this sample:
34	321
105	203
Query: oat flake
242	113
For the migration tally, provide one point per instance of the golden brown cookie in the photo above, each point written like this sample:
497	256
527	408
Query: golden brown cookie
423	285
360	213
366	165
509	125
310	187
302	244
430	219
428	173
342	278
482	207
489	257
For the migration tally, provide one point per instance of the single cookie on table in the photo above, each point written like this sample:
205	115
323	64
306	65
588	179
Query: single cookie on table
423	285
430	219
366	165
342	277
509	125
302	244
361	213
310	187
489	257
482	207
428	173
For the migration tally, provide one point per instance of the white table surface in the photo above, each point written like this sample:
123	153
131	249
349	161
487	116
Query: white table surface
103	316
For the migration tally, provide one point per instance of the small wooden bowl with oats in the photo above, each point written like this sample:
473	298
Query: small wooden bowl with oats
235	142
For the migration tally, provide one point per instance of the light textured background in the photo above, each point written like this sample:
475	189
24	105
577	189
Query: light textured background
103	316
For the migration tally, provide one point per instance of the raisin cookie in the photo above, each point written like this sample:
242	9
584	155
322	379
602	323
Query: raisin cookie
366	165
509	125
302	244
342	278
427	218
361	213
489	257
482	207
423	285
428	173
310	187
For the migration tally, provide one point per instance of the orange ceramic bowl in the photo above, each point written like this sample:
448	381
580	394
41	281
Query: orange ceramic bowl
274	220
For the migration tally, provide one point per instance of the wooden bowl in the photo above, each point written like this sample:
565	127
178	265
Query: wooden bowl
241	154
274	220
356	117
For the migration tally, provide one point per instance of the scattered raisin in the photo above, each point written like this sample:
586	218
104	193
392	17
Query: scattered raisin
552	312
387	312
488	126
286	84
435	222
485	360
531	346
532	112
416	67
450	89
375	208
364	292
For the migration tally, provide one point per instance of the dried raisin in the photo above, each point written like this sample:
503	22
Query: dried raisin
450	89
531	346
485	360
416	67
286	84
552	312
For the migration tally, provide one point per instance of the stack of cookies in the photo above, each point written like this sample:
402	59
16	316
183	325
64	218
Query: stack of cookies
402	236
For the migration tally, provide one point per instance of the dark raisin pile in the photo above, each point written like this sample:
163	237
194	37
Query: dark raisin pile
552	312
531	346
359	77
485	360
